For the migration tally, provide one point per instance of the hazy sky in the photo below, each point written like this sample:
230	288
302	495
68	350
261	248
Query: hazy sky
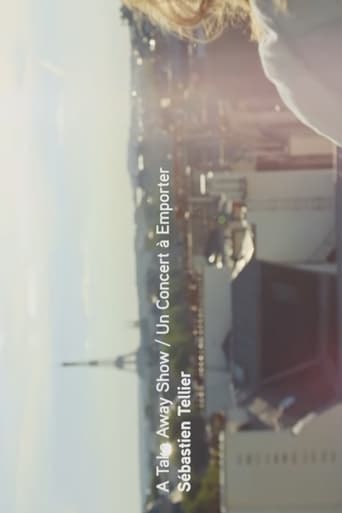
68	438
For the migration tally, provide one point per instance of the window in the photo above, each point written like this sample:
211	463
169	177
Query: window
249	459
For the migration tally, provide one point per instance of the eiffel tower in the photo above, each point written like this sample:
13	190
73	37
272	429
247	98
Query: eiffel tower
136	361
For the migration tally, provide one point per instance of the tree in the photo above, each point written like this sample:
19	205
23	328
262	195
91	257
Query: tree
126	15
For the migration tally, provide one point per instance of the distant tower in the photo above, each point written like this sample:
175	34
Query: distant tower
135	362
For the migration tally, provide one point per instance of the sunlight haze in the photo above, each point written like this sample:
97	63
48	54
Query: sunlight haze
68	438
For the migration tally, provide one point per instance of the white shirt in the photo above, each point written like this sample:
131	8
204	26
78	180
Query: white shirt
301	53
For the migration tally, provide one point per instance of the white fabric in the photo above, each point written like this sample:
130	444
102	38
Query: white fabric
300	52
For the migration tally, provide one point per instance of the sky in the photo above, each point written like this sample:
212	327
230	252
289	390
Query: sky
68	437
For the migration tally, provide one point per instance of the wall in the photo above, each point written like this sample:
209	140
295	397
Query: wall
217	324
268	471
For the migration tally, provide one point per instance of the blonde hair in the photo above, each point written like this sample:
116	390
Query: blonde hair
185	16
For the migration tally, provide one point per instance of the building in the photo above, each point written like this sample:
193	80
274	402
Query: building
219	394
284	323
279	472
299	204
282	452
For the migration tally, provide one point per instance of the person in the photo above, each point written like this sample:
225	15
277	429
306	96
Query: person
231	242
299	45
240	234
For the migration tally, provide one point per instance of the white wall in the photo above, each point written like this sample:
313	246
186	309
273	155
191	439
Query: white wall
217	324
260	473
